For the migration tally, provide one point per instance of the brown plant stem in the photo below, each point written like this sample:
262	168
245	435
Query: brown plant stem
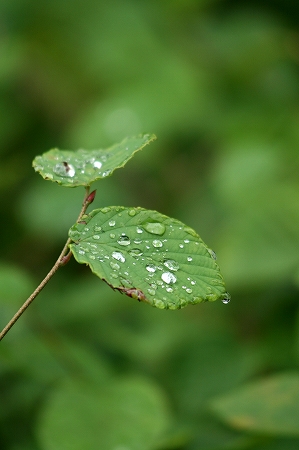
62	259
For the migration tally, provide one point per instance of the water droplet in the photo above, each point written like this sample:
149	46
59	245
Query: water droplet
212	253
189	291
112	235
193	282
159	304
181	245
106	173
135	252
113	275
169	289
189	258
92	257
81	252
125	282
118	256
132	212
154	227
105	156
114	265
151	291
139	230
64	169
151	268
226	299
96	229
157	243
124	240
97	164
171	264
96	236
186	241
106	209
168	277
112	223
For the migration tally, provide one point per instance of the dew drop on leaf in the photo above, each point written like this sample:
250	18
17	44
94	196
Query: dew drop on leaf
168	277
171	264
124	240
132	212
151	268
64	169
96	237
159	304
114	265
135	252
157	243
112	223
118	256
212	253
151	291
226	299
106	209
154	227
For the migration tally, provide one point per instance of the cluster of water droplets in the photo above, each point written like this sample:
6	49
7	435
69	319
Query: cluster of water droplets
144	244
83	165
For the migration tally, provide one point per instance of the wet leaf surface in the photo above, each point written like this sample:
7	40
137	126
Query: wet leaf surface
148	256
83	167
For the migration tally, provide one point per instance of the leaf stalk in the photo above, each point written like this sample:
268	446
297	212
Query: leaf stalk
62	260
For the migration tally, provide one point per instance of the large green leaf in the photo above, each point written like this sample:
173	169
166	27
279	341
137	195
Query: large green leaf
148	256
269	406
83	167
130	413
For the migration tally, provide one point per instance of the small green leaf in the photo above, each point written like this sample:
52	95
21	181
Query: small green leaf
83	167
148	256
269	406
128	413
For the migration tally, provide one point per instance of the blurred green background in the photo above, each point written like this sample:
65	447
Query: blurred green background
218	82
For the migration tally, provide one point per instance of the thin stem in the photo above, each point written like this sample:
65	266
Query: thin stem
88	199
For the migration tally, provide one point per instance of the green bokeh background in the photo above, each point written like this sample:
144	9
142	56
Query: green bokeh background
218	82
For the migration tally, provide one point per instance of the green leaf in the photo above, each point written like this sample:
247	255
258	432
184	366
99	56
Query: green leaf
148	256
269	406
83	167
130	413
